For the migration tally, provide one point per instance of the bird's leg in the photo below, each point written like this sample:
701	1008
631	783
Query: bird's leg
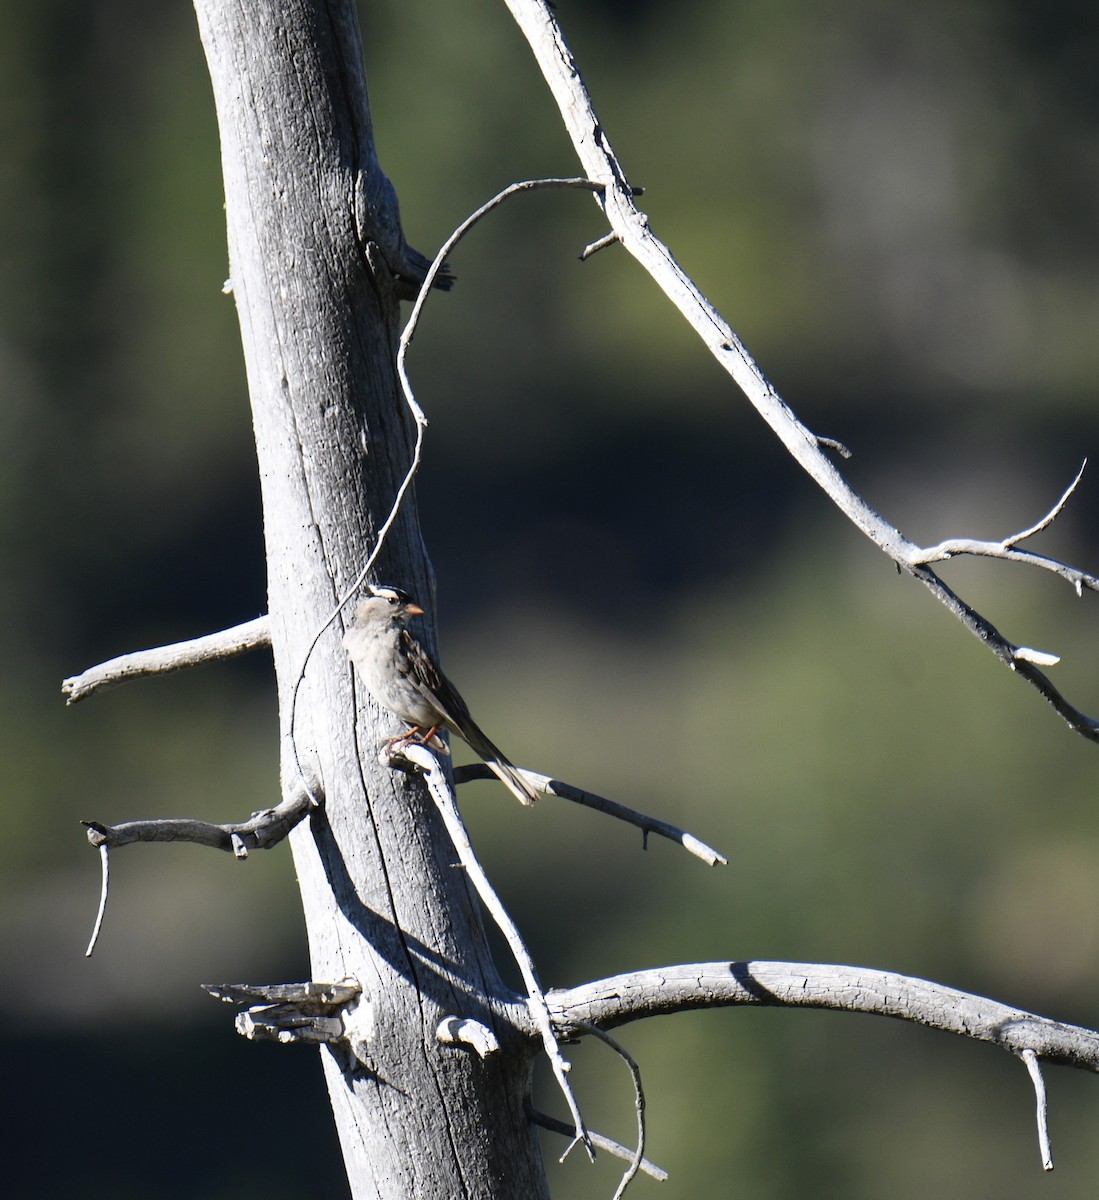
421	737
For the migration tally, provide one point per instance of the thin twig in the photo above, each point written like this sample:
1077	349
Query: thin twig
226	643
447	248
638	1100
104	861
538	22
419	418
1007	547
599	1141
608	239
1053	513
1035	1071
566	791
441	793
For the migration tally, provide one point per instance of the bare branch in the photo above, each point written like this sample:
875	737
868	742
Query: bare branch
441	792
260	832
161	660
1008	653
538	23
566	791
662	990
1006	549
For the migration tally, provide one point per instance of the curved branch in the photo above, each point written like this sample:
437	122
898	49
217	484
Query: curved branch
663	990
226	643
260	832
538	23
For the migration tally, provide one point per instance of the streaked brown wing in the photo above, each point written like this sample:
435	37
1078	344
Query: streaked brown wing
434	686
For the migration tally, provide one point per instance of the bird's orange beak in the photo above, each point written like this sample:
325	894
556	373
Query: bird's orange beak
413	609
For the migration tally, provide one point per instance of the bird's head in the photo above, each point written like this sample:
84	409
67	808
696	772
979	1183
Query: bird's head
387	603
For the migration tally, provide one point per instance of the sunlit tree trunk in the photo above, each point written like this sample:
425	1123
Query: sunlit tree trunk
317	261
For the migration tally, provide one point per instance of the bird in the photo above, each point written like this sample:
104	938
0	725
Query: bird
402	676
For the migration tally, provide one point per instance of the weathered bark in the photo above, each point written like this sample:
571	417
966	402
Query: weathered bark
314	247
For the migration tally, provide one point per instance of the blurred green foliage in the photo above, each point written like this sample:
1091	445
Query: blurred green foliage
894	205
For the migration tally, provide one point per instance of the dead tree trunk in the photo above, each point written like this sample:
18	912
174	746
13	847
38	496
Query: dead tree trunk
317	262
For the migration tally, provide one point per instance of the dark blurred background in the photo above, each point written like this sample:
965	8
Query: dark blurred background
895	206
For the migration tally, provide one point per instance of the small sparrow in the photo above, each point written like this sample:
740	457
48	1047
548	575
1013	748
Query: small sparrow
400	674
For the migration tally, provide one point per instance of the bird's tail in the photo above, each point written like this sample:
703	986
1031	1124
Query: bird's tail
512	778
508	774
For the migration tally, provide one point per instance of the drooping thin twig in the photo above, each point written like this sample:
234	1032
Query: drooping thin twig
538	22
599	1141
443	796
419	418
566	791
447	248
352	588
260	832
638	1100
226	643
104	862
1035	1071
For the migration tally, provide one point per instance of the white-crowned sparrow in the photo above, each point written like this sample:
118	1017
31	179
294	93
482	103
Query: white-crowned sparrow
400	674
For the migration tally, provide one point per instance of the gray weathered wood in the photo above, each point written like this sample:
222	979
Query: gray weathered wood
314	245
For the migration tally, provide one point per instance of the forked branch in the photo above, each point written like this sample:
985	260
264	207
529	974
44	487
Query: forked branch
538	22
608	1003
1008	548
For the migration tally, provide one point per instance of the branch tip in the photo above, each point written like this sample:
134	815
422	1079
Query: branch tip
1051	516
1039	657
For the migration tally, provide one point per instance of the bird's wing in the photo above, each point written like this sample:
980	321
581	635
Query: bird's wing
441	694
433	685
